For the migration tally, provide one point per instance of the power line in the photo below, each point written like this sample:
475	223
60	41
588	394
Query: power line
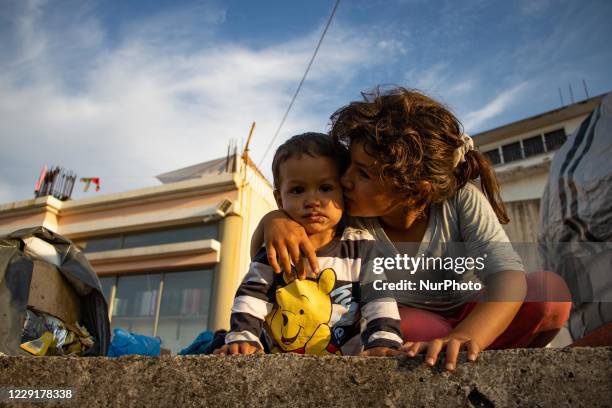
331	17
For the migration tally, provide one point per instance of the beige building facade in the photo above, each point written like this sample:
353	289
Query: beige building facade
169	257
521	153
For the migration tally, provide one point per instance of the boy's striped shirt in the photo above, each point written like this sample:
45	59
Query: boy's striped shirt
360	315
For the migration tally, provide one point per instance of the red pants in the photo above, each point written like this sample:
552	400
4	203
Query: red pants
535	324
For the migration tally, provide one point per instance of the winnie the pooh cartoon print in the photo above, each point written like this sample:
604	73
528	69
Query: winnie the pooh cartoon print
299	322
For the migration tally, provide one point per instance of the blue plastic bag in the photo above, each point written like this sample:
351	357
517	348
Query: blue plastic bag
201	345
124	343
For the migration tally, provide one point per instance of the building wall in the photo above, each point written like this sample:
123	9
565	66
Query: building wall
522	182
524	219
146	285
29	213
254	201
569	126
519	189
257	200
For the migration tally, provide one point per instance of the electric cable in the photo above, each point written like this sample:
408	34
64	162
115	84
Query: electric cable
297	91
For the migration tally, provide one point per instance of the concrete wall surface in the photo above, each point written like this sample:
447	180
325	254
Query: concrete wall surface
545	377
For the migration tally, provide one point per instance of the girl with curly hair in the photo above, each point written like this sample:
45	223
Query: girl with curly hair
412	184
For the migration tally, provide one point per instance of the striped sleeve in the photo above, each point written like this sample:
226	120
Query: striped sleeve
252	303
382	324
378	308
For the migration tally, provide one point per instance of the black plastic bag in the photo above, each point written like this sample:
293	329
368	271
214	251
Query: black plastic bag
15	277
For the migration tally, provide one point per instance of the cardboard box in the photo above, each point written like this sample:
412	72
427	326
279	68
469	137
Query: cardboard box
51	293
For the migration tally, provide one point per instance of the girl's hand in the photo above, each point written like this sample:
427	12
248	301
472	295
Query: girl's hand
454	342
286	241
380	352
237	348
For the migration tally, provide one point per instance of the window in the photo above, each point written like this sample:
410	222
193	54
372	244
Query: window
184	305
101	244
512	152
135	303
555	139
148	238
533	146
493	156
184	309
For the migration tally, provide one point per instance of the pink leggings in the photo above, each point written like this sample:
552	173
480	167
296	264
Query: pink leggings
535	324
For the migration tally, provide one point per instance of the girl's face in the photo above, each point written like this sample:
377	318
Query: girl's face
365	194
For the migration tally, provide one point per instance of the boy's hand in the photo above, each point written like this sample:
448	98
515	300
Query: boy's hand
454	342
286	240
237	348
380	352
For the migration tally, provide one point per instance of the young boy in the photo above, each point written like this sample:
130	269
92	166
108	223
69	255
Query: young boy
317	315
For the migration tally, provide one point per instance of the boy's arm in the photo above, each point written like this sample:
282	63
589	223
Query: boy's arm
253	301
378	308
382	324
382	335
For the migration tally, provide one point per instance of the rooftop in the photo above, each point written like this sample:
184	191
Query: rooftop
207	168
538	121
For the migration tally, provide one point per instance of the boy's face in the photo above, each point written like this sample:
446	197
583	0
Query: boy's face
310	192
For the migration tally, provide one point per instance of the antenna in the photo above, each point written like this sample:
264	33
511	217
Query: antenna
561	97
586	91
227	158
245	151
571	93
231	161
235	157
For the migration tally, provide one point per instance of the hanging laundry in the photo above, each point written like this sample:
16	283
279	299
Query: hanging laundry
89	180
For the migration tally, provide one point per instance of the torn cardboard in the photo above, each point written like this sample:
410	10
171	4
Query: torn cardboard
51	293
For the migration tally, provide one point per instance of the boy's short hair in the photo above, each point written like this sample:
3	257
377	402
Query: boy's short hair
313	144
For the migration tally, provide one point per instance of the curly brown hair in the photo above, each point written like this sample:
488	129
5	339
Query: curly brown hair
413	138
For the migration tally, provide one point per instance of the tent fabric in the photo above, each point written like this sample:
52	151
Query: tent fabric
576	219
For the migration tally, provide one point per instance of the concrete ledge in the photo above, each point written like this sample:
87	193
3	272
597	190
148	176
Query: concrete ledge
545	377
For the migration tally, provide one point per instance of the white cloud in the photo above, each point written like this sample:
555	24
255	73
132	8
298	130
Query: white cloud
462	87
476	118
430	79
529	7
393	45
140	108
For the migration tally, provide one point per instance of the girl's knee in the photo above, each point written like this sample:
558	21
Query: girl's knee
545	286
421	325
549	315
548	302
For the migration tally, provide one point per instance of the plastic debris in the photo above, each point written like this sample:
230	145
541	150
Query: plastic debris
65	339
125	343
200	345
40	346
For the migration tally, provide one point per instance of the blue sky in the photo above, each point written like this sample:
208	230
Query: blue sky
128	90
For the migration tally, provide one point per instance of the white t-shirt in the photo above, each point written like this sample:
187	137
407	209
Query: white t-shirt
465	226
